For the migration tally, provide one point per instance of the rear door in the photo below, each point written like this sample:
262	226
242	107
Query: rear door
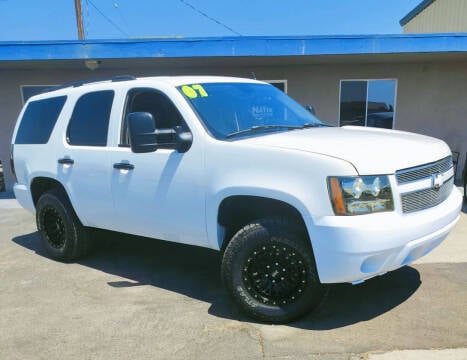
83	162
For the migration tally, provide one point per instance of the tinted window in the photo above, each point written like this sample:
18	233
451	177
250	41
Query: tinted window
353	103
157	104
228	108
368	103
38	120
381	103
89	122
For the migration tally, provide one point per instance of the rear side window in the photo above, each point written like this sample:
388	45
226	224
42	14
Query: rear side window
38	120
89	123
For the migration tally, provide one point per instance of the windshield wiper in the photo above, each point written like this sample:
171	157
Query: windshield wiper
268	127
313	125
260	128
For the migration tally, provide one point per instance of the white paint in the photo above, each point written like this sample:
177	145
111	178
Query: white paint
176	197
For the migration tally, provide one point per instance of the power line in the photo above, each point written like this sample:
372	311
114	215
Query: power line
209	17
106	18
117	7
86	20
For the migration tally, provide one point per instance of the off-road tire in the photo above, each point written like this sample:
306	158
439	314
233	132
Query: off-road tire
292	275
62	235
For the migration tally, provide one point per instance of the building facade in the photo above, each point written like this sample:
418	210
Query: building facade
405	82
436	16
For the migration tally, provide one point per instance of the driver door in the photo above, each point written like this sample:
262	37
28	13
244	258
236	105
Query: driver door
158	194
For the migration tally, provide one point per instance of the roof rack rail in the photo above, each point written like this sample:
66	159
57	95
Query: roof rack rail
90	81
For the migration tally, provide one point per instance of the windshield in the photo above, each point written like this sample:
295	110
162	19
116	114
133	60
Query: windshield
245	109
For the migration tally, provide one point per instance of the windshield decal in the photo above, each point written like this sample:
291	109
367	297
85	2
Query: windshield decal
193	91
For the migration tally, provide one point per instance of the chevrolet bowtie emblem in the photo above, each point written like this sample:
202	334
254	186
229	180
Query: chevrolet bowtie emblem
436	180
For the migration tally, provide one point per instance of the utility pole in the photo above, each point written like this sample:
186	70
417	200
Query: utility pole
79	19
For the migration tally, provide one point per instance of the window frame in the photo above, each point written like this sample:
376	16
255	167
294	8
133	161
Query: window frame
366	108
283	81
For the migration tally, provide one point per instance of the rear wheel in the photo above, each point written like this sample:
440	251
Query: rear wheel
62	234
269	270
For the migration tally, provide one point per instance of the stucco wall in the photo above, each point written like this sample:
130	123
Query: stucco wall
431	97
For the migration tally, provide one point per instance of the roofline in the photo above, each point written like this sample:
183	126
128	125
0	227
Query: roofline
183	39
105	83
415	11
241	46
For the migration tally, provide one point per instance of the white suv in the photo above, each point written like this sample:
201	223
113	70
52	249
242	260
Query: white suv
234	165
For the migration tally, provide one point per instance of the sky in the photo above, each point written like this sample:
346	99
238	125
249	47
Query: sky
23	20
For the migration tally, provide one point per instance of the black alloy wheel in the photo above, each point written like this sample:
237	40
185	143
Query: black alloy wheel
54	227
275	274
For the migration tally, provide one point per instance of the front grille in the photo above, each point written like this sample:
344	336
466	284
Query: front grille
423	171
426	198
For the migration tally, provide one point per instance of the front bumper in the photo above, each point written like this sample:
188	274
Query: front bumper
356	248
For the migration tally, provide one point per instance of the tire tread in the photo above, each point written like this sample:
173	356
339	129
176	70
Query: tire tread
277	227
81	242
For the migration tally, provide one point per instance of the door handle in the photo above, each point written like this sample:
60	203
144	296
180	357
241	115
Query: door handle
66	161
124	166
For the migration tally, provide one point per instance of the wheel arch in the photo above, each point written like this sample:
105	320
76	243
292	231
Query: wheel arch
41	184
235	211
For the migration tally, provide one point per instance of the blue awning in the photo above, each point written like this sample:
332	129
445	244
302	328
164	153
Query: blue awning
242	46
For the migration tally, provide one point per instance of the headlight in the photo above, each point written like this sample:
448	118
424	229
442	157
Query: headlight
357	195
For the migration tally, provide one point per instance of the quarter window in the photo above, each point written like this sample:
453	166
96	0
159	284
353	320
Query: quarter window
367	103
38	120
89	123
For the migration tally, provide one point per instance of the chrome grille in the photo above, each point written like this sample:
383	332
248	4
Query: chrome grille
426	198
423	171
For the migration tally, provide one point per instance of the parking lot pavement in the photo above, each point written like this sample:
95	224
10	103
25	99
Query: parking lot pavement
8	201
149	299
444	354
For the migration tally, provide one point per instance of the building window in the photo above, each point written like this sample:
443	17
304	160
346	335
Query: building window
30	90
2	179
280	84
368	103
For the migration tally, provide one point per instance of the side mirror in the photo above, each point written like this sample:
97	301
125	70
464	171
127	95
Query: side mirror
142	132
145	137
184	139
311	109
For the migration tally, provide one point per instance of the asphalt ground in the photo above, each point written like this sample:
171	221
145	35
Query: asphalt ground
146	299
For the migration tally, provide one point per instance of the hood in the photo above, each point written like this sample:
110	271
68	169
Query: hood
370	150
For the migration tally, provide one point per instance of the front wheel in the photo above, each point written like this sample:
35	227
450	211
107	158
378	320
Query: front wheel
269	270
